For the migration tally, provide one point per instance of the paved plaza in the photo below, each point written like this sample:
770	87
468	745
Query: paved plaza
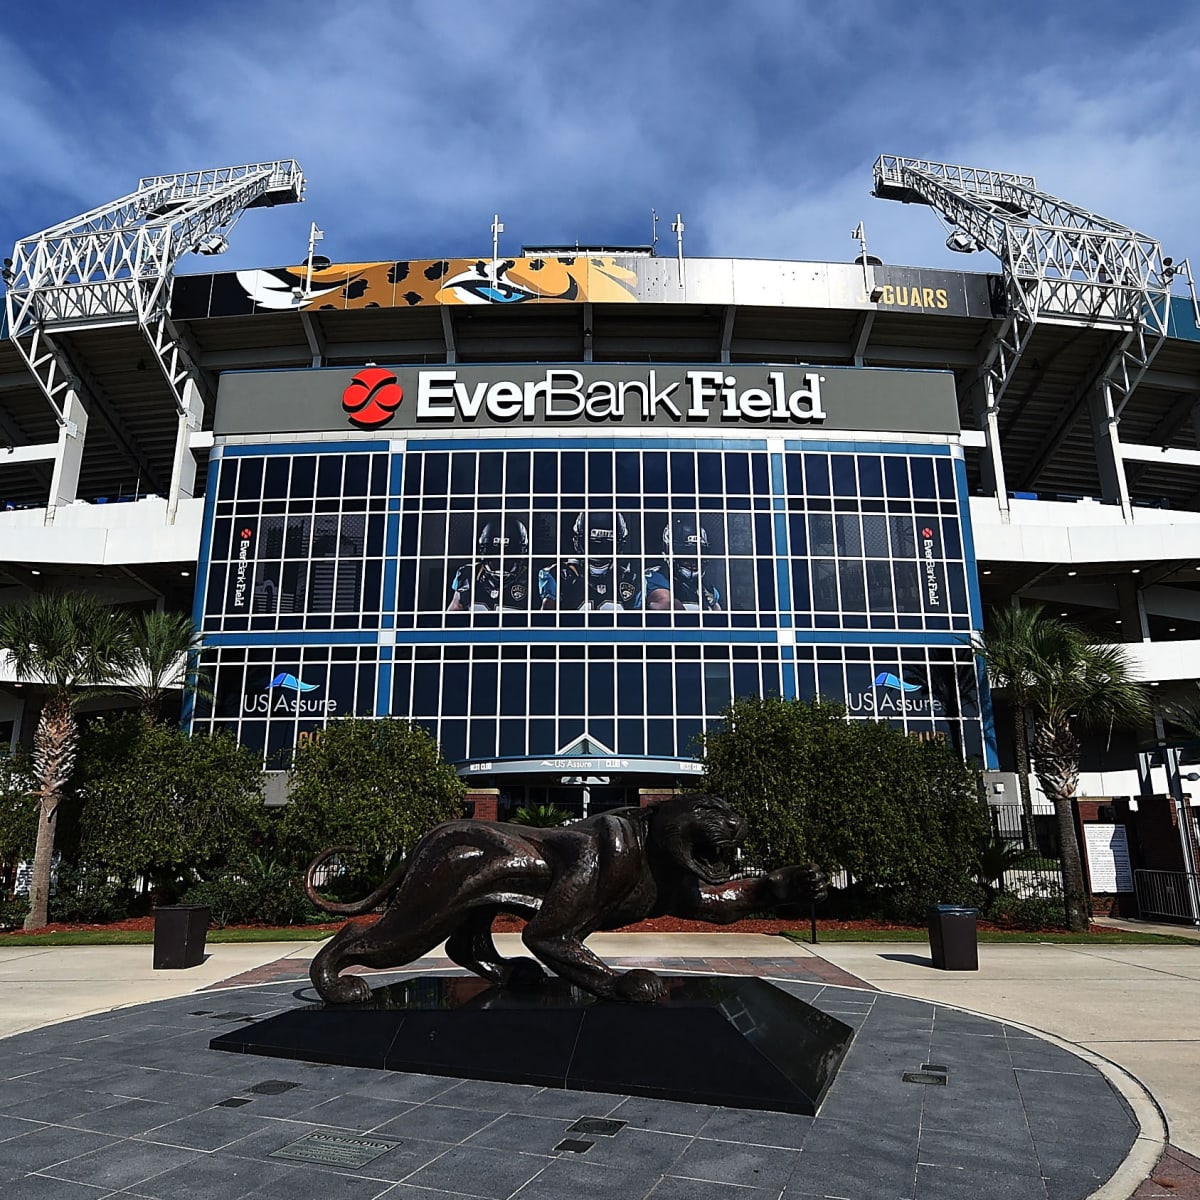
1036	1092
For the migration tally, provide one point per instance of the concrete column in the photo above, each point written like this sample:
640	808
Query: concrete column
1114	489
183	469
987	417
64	482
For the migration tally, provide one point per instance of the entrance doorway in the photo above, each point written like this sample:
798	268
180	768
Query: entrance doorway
578	799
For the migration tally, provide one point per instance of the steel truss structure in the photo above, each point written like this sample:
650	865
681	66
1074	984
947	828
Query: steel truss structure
114	266
1060	263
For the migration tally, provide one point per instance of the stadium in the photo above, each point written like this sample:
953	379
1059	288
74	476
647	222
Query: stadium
563	507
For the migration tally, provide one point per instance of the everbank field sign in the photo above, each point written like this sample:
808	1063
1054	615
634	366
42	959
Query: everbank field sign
743	396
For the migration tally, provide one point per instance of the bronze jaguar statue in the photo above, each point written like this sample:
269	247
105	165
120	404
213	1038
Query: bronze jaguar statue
607	871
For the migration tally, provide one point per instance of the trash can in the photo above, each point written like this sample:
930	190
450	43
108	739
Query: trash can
952	941
179	932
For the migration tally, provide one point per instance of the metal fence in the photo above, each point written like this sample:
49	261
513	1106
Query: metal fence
1041	875
1172	895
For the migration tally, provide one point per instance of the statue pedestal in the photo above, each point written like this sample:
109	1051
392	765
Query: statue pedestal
723	1040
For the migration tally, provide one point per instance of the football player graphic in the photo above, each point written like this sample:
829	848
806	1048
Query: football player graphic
499	578
677	581
595	579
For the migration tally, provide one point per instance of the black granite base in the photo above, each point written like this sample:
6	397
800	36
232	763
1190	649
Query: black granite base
721	1040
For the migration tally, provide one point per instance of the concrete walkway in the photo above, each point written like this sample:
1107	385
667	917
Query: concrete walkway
1138	1006
1133	1005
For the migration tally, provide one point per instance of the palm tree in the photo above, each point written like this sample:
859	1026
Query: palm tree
164	647
1068	681
1008	653
72	645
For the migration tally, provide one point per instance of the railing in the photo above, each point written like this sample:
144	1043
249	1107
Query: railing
1172	895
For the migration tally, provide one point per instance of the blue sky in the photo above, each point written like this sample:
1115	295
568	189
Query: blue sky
758	120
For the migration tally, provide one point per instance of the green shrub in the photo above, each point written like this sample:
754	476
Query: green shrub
159	802
904	818
89	896
377	784
1044	910
18	808
262	891
13	912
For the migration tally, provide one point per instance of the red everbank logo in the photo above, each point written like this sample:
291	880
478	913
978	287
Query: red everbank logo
241	567
372	397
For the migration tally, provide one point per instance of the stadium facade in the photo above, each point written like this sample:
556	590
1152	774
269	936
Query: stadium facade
563	507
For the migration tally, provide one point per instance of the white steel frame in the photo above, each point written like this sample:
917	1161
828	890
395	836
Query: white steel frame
114	266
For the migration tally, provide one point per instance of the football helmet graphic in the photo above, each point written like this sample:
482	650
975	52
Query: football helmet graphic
503	545
599	535
685	542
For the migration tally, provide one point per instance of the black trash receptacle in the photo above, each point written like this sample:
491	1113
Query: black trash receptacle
952	940
179	933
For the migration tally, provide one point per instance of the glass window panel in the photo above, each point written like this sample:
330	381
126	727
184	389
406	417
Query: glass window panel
358	475
600	473
545	473
453	740
688	694
427	686
455	679
746	679
250	479
512	739
436	476
903	536
629	475
895	476
660	738
484	679
824	585
879	587
709	474
570	689
737	474
874	536
870	475
329	475
816	474
683	473
820	533
849	535
850	574
462	475
922	479
517	467
951	544
906	584
654	469
573	467
739	539
481	738
945	478
304	477
275	481
514	700
601	688
543	700
227	482
491	475
718	686
844	482
793	475
659	688
741	586
760	479
631	697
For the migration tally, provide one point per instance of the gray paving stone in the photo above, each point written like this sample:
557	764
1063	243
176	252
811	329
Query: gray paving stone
527	1133
1006	1150
787	1130
667	1116
639	1150
123	1164
673	1188
483	1094
954	1183
349	1112
41	1187
734	1163
47	1147
478	1171
208	1129
14	1126
564	1178
296	1182
127	1117
439	1122
213	1176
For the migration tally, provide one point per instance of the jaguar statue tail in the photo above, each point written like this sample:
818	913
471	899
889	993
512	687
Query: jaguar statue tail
354	908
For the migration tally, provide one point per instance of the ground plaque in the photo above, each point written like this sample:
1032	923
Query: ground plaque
335	1149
